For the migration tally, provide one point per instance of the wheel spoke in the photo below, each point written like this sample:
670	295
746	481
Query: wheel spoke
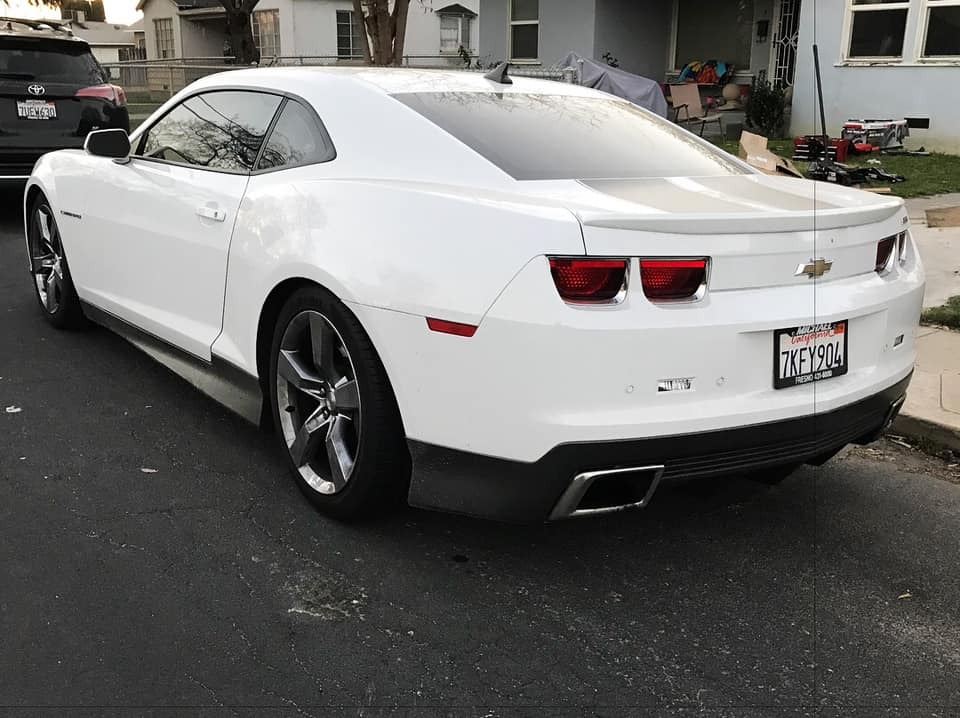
51	300
323	343
43	224
291	368
347	395
309	439
44	263
341	463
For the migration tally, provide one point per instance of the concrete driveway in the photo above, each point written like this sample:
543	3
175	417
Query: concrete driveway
153	552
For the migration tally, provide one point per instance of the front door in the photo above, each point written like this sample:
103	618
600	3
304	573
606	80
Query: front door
786	36
158	233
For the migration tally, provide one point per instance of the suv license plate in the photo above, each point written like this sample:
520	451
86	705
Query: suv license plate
813	352
36	110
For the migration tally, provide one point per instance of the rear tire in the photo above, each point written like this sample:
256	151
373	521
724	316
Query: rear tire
52	282
336	416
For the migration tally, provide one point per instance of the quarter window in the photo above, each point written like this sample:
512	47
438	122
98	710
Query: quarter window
164	33
348	36
942	37
524	29
877	28
266	32
296	139
215	130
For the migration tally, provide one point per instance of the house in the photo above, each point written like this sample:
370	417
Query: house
108	42
318	30
896	59
879	58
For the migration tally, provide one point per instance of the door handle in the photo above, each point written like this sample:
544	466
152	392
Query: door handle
217	215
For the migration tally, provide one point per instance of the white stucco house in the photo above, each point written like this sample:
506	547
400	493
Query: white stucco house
880	58
319	29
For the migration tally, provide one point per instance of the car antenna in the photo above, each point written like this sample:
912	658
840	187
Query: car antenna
499	74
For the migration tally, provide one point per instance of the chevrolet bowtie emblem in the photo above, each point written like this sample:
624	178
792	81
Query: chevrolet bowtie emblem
815	268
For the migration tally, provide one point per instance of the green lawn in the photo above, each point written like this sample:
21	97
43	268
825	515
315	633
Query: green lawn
947	315
926	176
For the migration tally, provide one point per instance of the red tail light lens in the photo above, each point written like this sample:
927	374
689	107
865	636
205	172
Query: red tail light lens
113	93
669	280
884	251
589	280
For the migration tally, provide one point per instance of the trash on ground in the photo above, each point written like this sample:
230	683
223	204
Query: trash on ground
14	409
145	470
753	149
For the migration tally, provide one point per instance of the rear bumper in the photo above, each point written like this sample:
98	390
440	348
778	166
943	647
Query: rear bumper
487	487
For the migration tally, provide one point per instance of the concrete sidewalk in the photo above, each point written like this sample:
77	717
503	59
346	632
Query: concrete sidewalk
932	409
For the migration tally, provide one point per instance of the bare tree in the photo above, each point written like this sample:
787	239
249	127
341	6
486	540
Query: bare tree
384	29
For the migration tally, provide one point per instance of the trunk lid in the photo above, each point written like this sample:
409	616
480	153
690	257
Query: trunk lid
757	229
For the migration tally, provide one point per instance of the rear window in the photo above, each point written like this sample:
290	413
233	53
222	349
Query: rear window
48	61
546	137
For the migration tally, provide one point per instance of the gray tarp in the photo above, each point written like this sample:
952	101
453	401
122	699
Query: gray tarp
600	76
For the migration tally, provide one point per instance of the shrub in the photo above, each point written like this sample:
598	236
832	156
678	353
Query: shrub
766	109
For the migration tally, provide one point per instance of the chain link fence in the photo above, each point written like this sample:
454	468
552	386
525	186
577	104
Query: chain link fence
157	80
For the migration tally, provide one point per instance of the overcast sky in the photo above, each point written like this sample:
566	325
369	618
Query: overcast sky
118	11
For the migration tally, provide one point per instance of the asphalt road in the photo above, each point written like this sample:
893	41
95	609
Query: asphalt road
212	583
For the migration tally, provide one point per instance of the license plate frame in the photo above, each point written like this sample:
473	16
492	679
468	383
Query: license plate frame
36	110
821	334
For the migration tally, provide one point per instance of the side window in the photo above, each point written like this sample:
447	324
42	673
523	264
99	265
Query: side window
296	139
220	130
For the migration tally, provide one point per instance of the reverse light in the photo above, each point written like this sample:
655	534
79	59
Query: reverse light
589	280
446	327
673	280
885	254
114	93
902	248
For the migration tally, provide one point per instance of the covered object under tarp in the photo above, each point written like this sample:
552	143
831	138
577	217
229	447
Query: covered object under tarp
600	76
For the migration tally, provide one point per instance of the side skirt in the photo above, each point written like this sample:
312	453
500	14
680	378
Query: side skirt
221	381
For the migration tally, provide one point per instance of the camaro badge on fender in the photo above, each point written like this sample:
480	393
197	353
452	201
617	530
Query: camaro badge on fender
815	268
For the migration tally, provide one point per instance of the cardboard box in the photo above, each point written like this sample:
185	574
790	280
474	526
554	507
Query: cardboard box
753	149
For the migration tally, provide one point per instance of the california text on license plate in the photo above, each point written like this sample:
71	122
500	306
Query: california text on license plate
812	352
36	110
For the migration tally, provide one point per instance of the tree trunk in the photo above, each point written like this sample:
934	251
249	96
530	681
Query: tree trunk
385	30
240	33
358	17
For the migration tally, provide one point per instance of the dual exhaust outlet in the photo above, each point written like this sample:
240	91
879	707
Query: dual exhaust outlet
609	491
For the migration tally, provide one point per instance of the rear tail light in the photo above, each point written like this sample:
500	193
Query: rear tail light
589	280
671	280
885	254
902	248
114	93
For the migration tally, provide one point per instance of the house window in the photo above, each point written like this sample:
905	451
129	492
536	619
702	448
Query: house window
877	28
942	37
266	32
524	29
348	36
454	33
164	30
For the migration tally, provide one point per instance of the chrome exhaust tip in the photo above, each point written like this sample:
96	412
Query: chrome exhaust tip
585	496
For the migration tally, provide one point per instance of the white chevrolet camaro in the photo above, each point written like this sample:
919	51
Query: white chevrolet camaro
522	300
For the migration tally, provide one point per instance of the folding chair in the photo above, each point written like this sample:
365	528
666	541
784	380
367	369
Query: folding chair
686	101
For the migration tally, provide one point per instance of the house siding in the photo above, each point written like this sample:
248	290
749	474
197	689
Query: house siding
565	26
637	33
879	91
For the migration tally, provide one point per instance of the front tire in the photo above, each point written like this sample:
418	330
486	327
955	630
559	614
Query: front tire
334	409
52	282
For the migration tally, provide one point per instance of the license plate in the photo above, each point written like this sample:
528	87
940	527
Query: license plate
36	110
813	352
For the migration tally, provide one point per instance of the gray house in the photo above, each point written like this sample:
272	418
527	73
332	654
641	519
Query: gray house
880	58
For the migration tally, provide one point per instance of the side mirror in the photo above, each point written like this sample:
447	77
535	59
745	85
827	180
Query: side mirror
108	143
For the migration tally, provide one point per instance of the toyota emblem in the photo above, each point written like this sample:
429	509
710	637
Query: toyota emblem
37	90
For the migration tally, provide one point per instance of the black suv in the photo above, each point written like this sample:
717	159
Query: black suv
52	93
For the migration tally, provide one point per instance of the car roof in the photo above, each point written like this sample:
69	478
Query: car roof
39	29
388	81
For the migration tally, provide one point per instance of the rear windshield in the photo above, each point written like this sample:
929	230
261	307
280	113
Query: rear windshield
48	61
545	137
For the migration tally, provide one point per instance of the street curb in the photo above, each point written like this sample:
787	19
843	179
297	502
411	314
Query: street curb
922	430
